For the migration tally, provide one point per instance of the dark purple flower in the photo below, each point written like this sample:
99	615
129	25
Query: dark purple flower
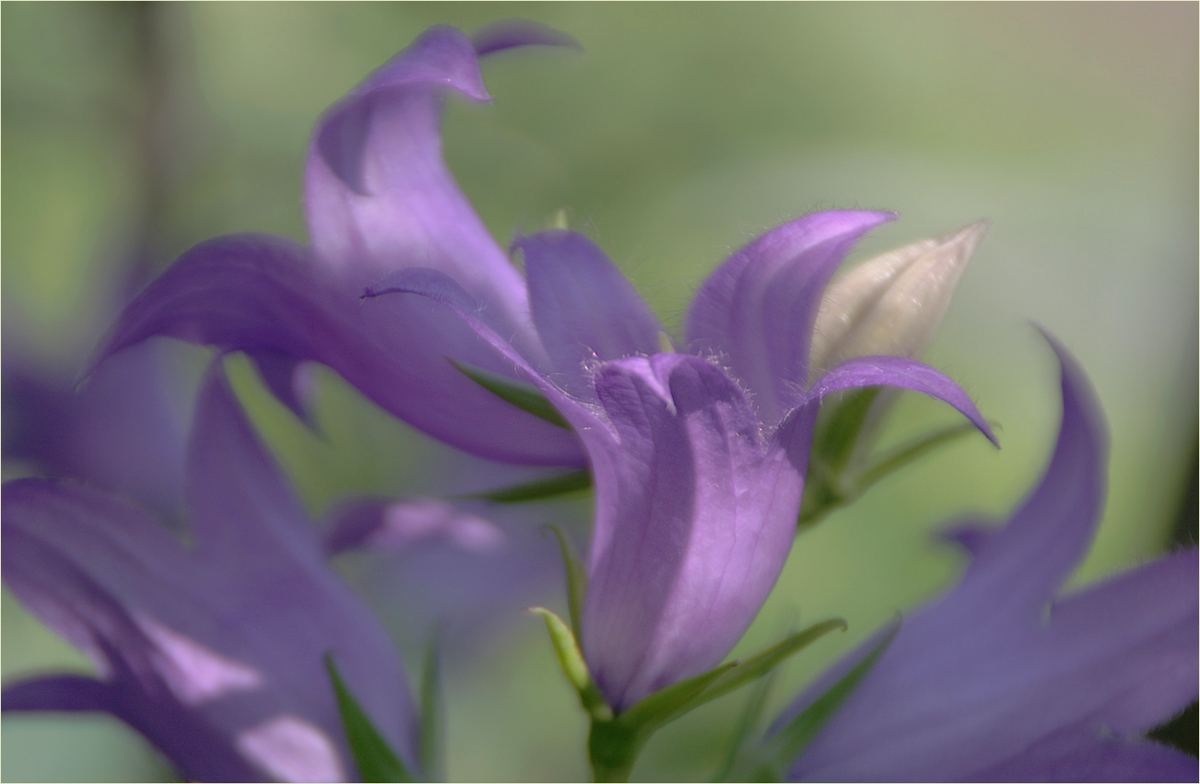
1003	679
698	472
214	650
698	459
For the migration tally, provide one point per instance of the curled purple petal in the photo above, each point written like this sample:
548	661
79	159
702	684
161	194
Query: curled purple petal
263	295
379	198
999	680
510	33
757	309
583	307
904	374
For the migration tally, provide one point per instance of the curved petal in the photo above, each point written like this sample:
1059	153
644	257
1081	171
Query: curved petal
385	524
444	292
199	753
896	372
985	683
216	653
379	198
758	308
509	33
694	521
583	307
261	294
1074	756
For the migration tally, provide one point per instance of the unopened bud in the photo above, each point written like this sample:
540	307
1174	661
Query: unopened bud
892	304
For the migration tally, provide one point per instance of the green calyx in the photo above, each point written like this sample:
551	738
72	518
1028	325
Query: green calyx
375	759
615	740
524	396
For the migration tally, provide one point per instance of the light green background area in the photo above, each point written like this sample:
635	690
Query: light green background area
683	131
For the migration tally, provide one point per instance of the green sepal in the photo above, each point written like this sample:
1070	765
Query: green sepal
904	454
839	430
570	658
537	490
785	746
614	745
834	479
522	395
375	759
577	579
430	749
764	661
740	740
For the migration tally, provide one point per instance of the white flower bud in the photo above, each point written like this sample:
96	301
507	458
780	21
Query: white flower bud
892	304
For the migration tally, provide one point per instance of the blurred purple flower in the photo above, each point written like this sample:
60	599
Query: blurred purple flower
698	471
1002	679
123	431
212	651
697	489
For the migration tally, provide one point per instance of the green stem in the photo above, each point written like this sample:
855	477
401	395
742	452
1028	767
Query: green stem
613	748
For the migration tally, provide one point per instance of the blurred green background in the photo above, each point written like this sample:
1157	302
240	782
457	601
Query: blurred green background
682	132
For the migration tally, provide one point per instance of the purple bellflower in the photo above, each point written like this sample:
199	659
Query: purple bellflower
1003	679
698	459
213	651
698	471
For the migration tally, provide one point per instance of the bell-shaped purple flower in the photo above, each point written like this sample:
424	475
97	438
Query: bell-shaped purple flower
213	650
698	459
698	471
1003	678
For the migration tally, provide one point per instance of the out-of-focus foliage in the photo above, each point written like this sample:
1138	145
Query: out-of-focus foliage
133	131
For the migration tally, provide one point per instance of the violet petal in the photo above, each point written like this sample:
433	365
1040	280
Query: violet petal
509	33
987	683
378	196
758	308
214	652
583	307
903	374
395	526
261	293
694	521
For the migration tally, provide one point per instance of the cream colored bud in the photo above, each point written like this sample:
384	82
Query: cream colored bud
891	305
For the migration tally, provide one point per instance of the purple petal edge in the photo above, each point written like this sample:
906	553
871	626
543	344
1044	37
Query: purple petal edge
510	33
902	373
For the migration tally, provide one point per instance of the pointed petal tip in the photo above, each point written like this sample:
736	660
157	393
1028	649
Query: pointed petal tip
511	33
442	56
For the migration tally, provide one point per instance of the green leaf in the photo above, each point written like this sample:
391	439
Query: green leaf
673	701
828	487
732	770
375	759
763	662
537	489
430	750
838	432
907	453
577	579
793	738
570	658
522	395
614	745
